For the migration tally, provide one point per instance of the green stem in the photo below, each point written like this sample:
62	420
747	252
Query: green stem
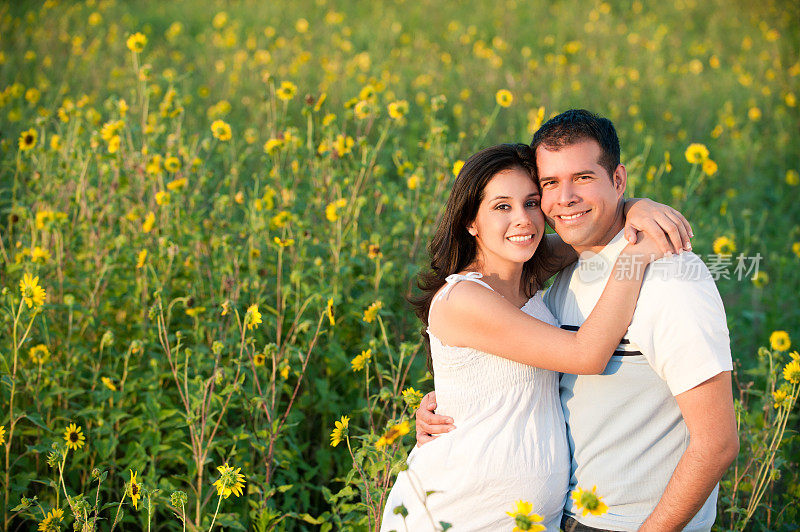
215	513
116	516
487	128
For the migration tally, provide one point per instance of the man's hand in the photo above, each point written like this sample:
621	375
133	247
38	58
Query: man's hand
429	423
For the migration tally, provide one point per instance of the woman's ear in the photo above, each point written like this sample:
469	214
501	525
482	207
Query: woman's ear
472	230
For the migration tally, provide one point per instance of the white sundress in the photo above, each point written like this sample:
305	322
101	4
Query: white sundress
509	444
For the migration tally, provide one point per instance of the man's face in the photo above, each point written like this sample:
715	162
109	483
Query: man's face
580	200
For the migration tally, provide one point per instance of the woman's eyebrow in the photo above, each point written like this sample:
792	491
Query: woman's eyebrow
509	197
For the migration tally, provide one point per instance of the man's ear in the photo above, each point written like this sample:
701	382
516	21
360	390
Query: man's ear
620	180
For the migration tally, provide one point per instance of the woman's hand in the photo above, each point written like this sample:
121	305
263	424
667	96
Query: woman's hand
667	227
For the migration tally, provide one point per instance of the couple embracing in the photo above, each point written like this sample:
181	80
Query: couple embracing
619	376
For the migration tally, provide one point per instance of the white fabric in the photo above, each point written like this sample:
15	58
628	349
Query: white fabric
509	443
625	429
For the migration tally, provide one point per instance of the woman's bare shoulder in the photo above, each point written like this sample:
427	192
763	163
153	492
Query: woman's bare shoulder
465	304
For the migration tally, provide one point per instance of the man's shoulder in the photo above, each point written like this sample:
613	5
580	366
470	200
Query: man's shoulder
687	270
560	284
682	283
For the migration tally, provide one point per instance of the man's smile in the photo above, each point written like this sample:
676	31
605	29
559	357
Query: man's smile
571	217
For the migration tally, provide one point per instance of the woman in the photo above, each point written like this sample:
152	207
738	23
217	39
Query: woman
495	352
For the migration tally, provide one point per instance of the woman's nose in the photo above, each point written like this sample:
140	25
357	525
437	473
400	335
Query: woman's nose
523	217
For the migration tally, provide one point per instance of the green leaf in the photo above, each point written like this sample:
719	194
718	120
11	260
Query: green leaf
309	519
37	420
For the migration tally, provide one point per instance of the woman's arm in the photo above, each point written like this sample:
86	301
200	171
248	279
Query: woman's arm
668	227
473	316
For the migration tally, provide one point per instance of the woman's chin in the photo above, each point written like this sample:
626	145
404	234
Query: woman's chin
523	256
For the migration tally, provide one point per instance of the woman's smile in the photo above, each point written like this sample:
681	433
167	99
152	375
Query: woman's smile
521	239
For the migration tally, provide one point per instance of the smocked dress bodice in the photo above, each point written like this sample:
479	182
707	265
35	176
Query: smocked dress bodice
509	443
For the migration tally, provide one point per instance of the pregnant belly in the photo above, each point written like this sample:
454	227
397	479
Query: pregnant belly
483	453
484	475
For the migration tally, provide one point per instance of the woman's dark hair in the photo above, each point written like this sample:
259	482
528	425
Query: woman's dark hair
452	248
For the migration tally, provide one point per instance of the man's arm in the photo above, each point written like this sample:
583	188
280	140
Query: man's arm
714	443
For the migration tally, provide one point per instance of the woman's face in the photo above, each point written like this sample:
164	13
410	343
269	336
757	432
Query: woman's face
509	224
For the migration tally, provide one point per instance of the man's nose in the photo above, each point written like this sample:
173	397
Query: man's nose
566	194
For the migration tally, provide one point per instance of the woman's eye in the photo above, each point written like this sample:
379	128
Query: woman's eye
502	207
532	203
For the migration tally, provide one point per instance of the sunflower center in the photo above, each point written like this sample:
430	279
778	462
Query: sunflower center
589	501
28	139
135	489
73	436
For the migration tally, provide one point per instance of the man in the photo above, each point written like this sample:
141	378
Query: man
656	431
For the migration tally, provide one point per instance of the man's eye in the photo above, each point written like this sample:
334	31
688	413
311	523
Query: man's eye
584	177
544	184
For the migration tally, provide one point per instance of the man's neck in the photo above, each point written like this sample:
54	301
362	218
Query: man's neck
608	236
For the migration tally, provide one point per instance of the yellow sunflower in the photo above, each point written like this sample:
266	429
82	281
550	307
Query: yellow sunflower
32	293
780	341
504	97
136	42
398	109
134	489
231	481
52	521
286	91
589	502
372	312
221	130
394	432
253	317
74	437
340	431
696	153
524	518
791	372
27	139
329	312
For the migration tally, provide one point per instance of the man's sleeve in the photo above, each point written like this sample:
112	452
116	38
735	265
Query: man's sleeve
686	340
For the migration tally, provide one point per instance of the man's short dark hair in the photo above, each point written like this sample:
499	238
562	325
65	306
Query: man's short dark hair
576	125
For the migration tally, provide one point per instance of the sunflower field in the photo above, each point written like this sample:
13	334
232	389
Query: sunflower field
211	215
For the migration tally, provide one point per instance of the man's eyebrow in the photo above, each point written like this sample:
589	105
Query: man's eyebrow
582	172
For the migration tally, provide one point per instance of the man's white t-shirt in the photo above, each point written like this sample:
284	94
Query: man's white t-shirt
625	429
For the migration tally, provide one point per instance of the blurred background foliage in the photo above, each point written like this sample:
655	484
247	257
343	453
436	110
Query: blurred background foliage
286	154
